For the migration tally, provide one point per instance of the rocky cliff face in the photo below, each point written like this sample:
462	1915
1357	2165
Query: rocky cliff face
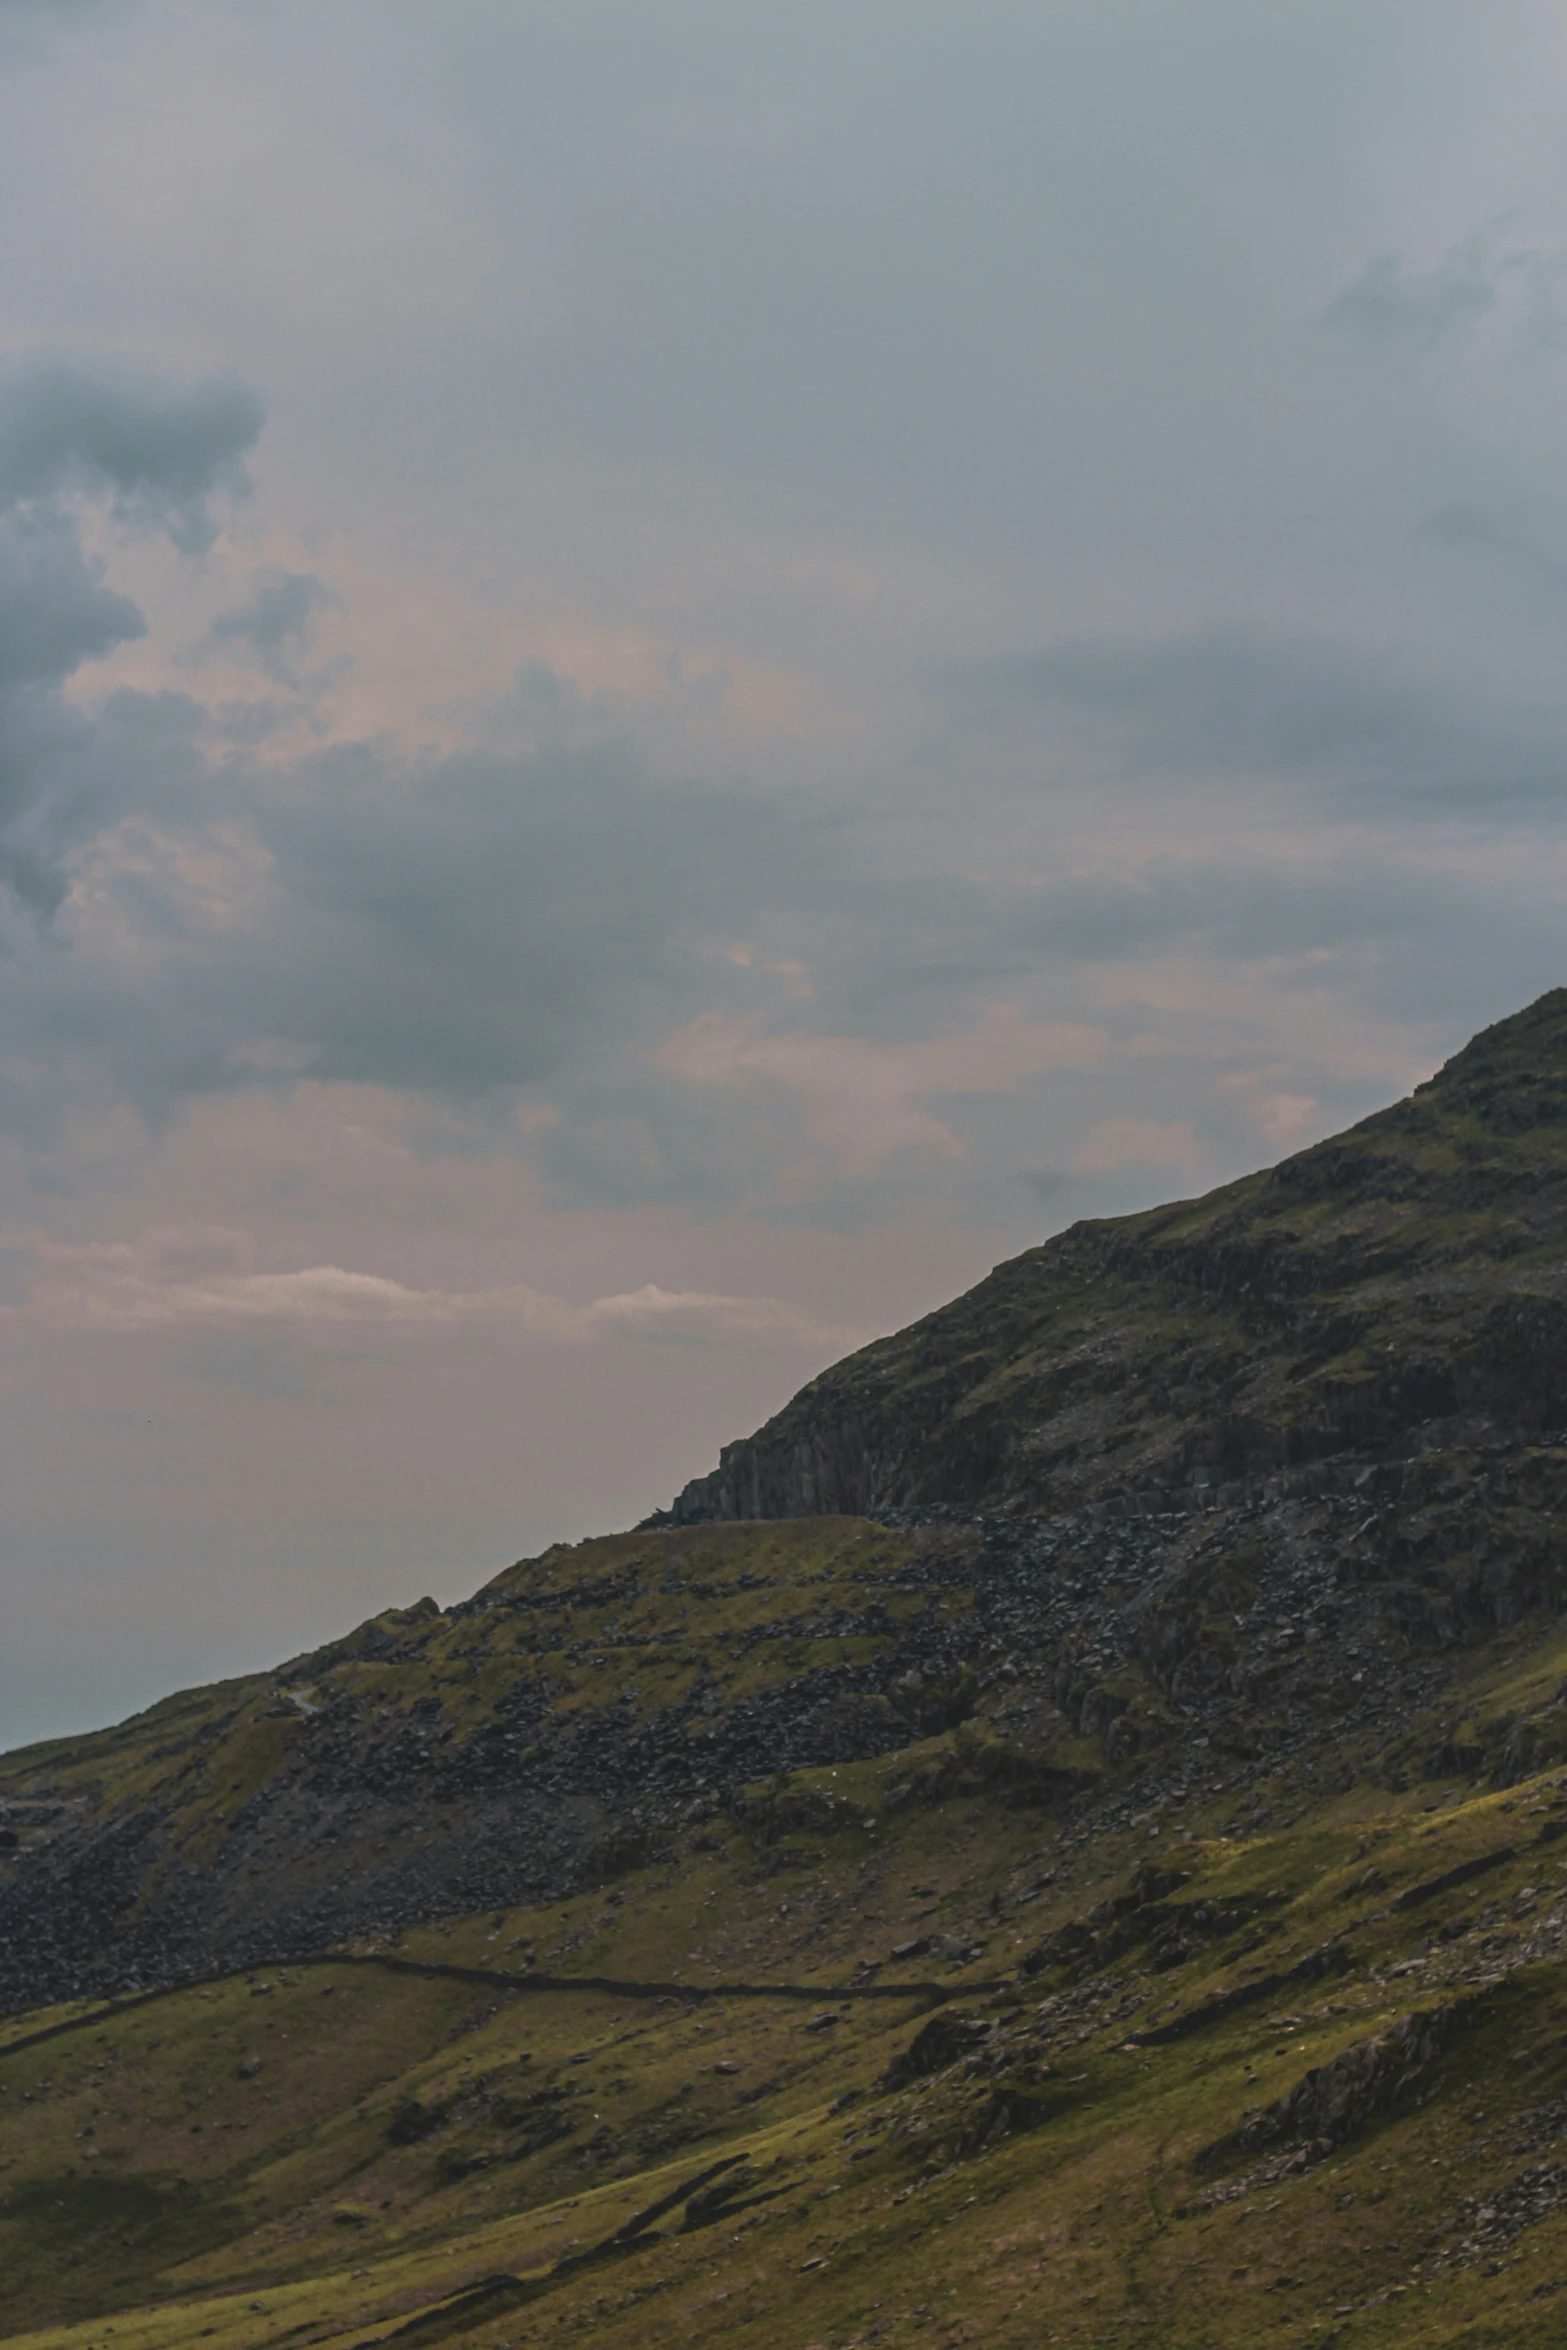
1399	1287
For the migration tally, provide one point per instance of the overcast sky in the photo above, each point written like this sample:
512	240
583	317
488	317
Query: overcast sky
670	674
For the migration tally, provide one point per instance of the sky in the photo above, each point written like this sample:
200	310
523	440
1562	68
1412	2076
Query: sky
671	675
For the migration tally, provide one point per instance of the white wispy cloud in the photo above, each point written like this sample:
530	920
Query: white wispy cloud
130	1286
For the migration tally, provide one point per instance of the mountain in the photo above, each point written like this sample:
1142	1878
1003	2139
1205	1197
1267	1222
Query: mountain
1061	1836
1397	1287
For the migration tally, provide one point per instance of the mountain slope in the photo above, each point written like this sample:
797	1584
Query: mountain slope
1114	1893
1400	1284
1295	2061
537	1737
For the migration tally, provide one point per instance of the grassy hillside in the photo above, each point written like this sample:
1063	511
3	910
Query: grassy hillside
546	1733
1116	1893
1043	2136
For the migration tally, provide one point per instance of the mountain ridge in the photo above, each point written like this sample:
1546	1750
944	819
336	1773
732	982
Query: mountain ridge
1350	1344
957	1411
1127	1841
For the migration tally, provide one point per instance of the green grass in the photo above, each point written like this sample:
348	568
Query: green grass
221	2165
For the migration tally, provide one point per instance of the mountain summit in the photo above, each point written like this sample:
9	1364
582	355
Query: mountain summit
1058	1837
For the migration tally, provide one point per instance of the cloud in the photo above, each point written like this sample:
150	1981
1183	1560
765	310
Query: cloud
157	452
458	926
461	931
55	612
1245	907
868	1101
1218	698
131	1286
276	623
1390	300
1230	701
665	991
153	454
1394	302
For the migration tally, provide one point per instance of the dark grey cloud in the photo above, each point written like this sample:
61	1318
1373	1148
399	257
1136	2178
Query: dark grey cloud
55	611
481	921
156	451
275	625
495	926
1230	701
491	927
154	454
460	927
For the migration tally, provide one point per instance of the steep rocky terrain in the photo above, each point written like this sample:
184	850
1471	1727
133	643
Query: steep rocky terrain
1063	1836
1398	1287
